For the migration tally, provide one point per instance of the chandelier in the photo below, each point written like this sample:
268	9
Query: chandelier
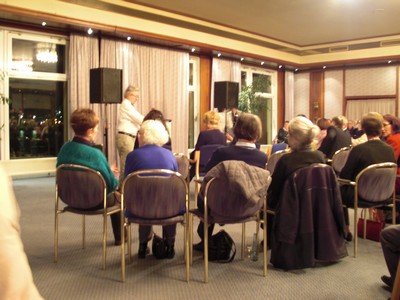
47	54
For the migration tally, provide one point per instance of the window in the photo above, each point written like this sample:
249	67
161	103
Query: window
194	102
258	95
37	92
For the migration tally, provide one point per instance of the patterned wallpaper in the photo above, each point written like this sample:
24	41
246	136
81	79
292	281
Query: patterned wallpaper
371	81
333	93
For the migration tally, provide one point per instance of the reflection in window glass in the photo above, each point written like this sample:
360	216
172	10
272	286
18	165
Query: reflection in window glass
262	83
32	56
36	117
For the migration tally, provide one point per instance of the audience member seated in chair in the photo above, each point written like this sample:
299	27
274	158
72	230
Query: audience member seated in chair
152	136
211	136
247	131
361	156
390	240
309	222
391	134
302	133
80	151
155	114
335	138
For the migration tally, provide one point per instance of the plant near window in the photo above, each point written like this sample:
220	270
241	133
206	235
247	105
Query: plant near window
251	99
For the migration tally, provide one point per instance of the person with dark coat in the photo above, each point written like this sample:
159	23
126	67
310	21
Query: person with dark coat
361	156
335	138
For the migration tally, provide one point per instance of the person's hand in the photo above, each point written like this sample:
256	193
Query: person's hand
229	137
114	169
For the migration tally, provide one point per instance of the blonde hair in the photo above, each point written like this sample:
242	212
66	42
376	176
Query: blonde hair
211	117
302	133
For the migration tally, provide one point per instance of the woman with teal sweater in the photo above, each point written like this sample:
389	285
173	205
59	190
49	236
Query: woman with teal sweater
80	151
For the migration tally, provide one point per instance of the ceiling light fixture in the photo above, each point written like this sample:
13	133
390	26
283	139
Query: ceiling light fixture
324	67
241	59
128	38
90	31
389	61
193	49
219	54
262	63
46	53
44	23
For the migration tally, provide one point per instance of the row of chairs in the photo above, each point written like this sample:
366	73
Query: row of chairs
75	183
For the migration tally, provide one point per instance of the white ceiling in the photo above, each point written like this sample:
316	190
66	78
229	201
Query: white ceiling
297	22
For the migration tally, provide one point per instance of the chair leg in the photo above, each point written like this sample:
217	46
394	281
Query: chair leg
56	237
191	238
83	232
186	246
128	226
355	232
243	239
123	237
205	251
104	241
265	242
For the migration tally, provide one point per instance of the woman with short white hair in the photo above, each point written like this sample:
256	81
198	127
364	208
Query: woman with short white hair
152	136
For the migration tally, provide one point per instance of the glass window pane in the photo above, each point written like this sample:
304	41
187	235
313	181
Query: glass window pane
36	117
261	83
32	56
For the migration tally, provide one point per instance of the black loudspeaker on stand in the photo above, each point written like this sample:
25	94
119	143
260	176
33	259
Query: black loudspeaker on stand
226	94
105	88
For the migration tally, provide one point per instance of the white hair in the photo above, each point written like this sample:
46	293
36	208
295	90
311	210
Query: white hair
153	133
302	133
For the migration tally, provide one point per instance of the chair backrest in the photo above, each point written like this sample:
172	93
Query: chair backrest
278	147
273	159
236	190
205	154
376	182
80	187
154	194
183	164
339	159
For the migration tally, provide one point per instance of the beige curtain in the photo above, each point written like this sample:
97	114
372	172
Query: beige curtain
161	74
83	56
357	108
224	70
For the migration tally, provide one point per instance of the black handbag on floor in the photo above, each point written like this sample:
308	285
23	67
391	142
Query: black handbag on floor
221	247
159	247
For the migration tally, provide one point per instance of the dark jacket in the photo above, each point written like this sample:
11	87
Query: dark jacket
335	139
309	222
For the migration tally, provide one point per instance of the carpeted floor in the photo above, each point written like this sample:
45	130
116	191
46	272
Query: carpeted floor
78	274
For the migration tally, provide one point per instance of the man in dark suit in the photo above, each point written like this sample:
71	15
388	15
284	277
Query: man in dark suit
335	138
247	131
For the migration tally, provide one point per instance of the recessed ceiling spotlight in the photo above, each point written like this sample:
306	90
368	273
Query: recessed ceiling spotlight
44	23
193	49
296	70
241	59
280	66
262	63
128	38
389	61
324	67
90	31
219	54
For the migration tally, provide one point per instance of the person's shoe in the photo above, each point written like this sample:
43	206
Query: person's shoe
199	246
170	252
387	280
143	250
349	237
